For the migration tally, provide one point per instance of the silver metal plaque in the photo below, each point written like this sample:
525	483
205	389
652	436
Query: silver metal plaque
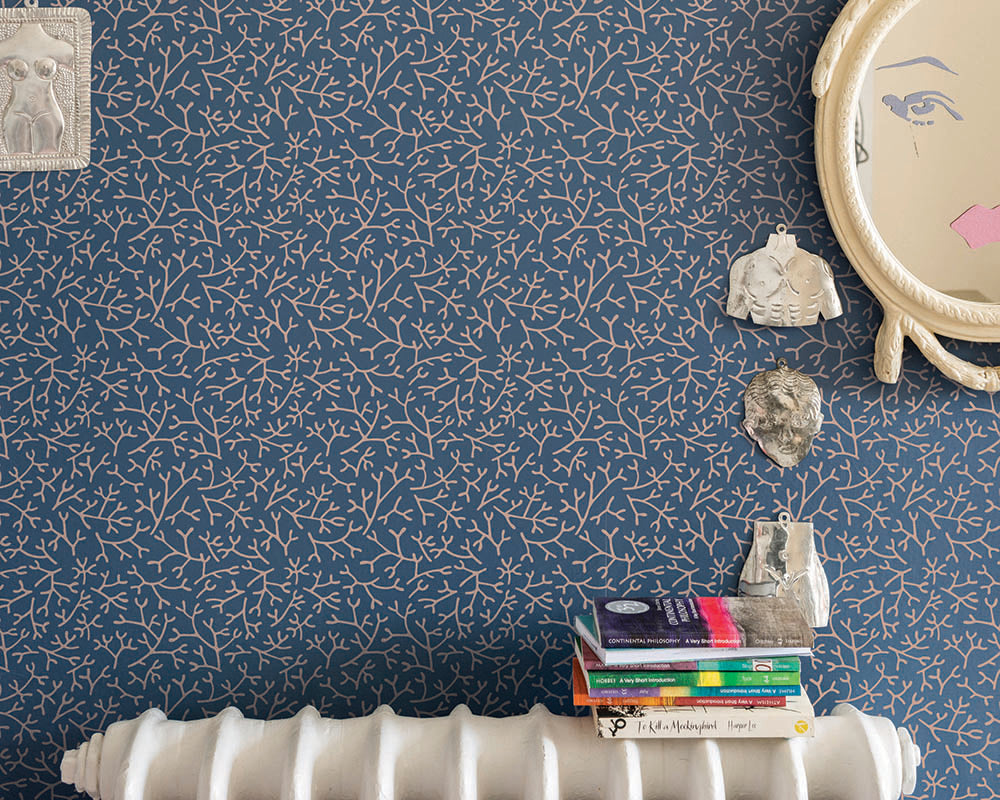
783	413
44	88
783	561
782	284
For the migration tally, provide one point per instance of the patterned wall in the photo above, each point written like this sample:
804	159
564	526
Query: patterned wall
382	333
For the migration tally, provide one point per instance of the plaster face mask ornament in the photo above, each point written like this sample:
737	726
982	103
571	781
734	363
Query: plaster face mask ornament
781	284
783	561
783	413
44	88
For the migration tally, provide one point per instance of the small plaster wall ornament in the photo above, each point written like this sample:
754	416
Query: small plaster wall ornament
783	561
44	88
783	413
781	284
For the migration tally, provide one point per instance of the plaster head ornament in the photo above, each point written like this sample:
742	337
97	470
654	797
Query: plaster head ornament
783	413
781	284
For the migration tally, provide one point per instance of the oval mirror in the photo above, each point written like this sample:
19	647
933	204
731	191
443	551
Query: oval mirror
905	125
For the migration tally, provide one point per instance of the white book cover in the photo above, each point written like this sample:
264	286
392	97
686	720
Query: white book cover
706	722
583	625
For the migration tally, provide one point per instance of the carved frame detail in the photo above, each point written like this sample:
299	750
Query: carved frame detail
912	309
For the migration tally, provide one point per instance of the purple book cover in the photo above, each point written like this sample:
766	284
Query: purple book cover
695	691
681	622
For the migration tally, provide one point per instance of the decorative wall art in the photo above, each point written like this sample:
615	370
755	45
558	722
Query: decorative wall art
782	284
783	413
44	88
918	221
783	561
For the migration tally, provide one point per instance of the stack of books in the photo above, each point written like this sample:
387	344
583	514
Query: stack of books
693	667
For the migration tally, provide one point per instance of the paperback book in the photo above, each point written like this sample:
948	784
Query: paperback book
620	656
745	692
720	691
582	696
700	622
664	722
590	661
702	678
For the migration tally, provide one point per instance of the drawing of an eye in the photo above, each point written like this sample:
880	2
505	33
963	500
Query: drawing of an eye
919	108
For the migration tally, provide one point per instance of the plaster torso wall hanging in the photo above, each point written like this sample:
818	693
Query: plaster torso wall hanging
781	284
44	88
783	413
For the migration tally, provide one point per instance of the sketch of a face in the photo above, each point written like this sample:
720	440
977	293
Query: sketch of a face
933	116
921	107
916	107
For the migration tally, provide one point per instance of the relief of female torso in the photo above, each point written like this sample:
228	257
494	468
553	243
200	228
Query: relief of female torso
32	121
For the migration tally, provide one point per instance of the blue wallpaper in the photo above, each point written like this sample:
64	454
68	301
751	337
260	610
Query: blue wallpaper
380	335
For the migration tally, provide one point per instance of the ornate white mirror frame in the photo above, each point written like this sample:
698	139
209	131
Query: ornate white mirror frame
912	309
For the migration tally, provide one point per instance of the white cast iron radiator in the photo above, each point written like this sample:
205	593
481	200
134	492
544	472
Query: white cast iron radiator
535	756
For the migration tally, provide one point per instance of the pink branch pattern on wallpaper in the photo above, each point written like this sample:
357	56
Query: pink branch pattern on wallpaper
379	335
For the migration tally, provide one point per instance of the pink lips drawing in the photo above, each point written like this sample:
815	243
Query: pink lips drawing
978	226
